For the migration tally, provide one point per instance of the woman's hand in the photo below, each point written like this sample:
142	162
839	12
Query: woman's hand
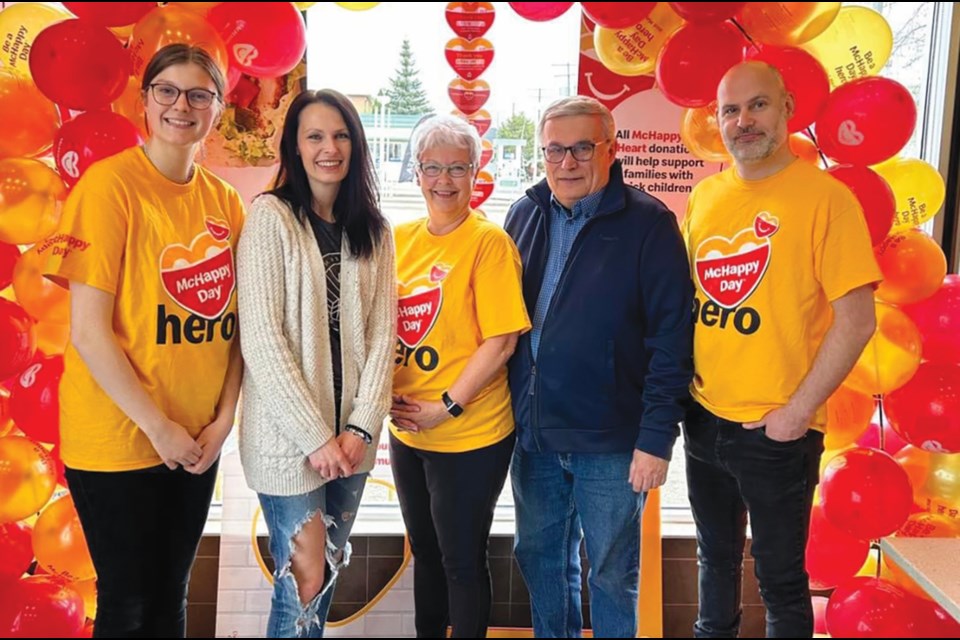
175	446
419	414
330	462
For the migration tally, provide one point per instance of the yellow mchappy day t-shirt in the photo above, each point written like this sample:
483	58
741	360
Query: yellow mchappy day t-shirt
455	291
767	258
166	251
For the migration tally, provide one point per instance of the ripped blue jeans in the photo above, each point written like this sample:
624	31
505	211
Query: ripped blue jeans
337	502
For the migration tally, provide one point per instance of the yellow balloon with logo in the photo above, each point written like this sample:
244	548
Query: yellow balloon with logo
918	188
19	26
355	6
855	45
632	51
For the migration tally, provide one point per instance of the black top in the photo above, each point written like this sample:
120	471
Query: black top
328	237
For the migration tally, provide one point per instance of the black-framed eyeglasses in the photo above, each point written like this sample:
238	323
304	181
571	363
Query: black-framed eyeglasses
582	151
455	170
167	95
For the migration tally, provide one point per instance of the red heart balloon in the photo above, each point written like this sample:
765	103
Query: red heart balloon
90	137
540	11
482	189
18	339
8	260
35	401
468	96
470	20
469	59
110	14
486	153
480	120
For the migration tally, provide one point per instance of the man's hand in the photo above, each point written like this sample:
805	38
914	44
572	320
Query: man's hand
647	471
783	425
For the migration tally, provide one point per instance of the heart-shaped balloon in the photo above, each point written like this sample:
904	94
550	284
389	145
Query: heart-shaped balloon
470	20
480	120
469	59
482	189
468	96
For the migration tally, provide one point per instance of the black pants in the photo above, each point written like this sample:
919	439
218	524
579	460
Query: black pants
142	528
447	501
732	471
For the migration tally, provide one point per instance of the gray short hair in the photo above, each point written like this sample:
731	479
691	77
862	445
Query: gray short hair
578	106
446	130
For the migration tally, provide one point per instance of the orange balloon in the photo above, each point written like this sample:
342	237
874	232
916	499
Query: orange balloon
787	22
203	8
6	422
31	198
30	121
891	357
169	25
848	416
804	148
940	494
88	591
916	462
913	267
28	476
929	525
130	106
59	544
41	298
52	338
700	132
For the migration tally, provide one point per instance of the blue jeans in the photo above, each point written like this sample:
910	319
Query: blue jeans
285	515
732	471
562	498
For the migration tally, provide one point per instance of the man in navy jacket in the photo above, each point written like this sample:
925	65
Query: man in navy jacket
601	382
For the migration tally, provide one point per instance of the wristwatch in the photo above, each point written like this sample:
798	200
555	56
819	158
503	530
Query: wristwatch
453	408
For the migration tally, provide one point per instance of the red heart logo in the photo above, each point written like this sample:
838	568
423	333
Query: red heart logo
470	20
417	313
765	225
730	270
469	59
439	271
218	228
467	96
200	279
482	189
486	153
480	120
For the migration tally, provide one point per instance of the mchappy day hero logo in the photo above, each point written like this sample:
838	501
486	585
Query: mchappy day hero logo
730	269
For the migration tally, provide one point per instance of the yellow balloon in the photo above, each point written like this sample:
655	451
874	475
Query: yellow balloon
857	44
918	188
355	6
632	51
891	357
787	22
870	565
31	197
700	132
203	8
940	494
42	299
19	26
303	6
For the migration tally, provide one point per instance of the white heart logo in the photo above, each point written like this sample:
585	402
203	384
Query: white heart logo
69	162
245	53
848	135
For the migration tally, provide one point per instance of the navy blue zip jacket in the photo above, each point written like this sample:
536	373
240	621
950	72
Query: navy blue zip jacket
614	365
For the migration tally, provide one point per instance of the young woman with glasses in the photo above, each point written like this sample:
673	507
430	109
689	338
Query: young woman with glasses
152	374
460	312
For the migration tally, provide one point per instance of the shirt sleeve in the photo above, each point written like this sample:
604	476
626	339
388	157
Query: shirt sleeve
498	289
843	257
90	242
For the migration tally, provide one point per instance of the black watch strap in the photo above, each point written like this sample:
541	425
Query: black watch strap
453	408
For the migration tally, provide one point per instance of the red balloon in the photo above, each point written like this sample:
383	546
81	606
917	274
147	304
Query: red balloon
866	493
694	60
938	319
16	550
706	12
41	607
874	195
869	608
931	621
110	14
892	442
79	65
617	15
866	121
926	410
804	77
35	402
18	339
833	556
540	11
265	39
8	260
90	137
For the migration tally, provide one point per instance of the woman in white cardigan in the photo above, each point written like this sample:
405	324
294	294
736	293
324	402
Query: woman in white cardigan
317	307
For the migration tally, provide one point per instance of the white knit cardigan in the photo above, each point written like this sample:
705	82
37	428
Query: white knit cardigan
287	403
